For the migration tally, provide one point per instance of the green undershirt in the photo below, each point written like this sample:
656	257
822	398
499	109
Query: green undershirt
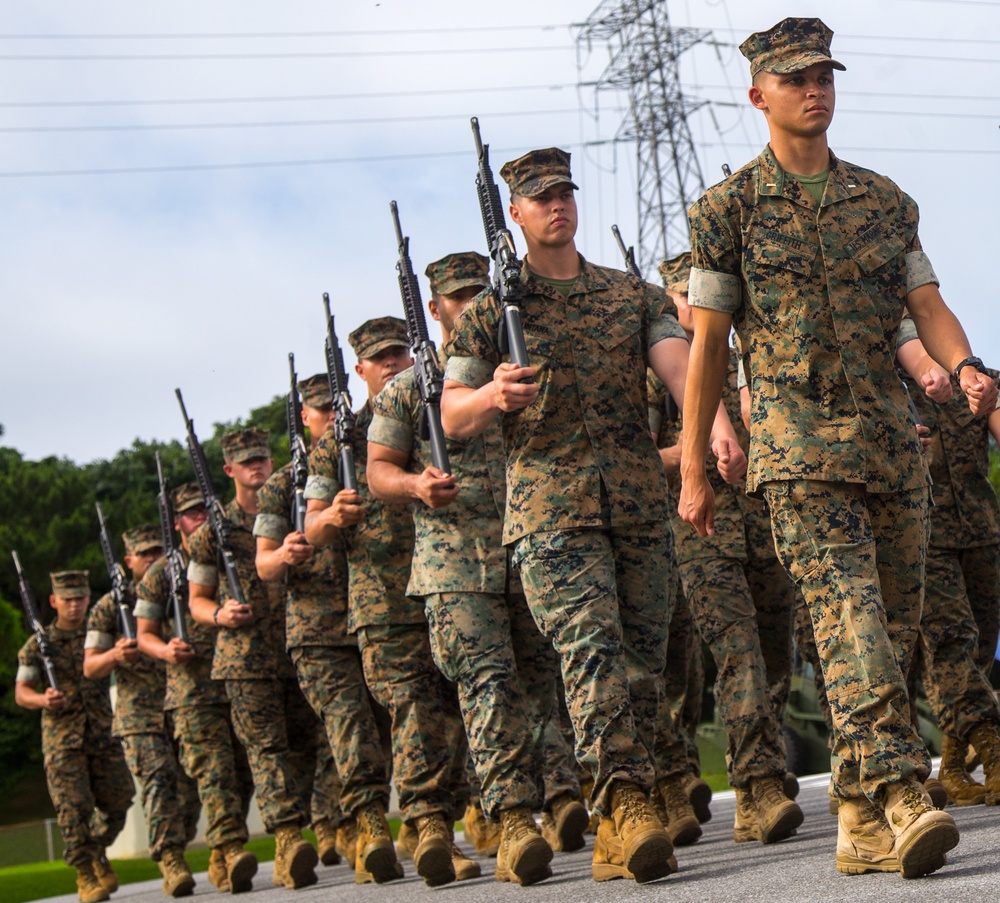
815	185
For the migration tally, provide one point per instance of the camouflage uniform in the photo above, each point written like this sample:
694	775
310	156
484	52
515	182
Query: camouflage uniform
141	724
817	293
270	715
88	780
199	713
326	655
586	500
741	600
958	626
481	631
428	740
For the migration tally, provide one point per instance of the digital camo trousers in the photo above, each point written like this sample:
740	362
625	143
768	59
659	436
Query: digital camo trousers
429	749
602	597
332	679
91	790
858	558
277	728
506	674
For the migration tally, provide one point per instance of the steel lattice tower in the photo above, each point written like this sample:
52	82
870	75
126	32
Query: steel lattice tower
645	53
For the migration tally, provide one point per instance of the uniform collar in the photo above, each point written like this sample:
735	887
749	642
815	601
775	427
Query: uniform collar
589	280
772	180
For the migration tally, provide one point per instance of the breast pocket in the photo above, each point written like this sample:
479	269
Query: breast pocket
774	265
875	247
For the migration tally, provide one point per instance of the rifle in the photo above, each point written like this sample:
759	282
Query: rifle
175	560
632	268
216	515
119	581
41	637
506	266
297	446
426	373
344	424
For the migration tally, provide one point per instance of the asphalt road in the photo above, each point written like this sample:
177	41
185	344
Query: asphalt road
800	869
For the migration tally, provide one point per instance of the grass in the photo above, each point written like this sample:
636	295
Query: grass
22	883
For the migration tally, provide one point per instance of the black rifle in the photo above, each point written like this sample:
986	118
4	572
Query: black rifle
632	268
426	372
176	575
344	424
909	400
506	266
216	514
119	580
41	637
297	446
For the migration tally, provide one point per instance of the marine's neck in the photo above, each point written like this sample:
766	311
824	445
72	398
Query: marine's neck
804	156
554	263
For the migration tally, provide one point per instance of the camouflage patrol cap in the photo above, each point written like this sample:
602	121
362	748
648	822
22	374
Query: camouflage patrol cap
376	335
536	171
242	445
675	273
457	271
70	584
316	391
186	496
142	539
790	46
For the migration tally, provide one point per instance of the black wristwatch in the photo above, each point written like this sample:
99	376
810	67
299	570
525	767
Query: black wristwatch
970	362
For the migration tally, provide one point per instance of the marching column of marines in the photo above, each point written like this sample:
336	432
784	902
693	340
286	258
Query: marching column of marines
605	511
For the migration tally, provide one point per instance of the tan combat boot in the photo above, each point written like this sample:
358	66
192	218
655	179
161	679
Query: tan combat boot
432	855
564	826
326	842
177	878
986	742
88	888
406	841
676	812
646	845
484	835
699	794
923	834
376	857
295	858
865	842
347	841
609	860
745	827
777	815
241	866
587	789
962	788
106	876
524	855
218	875
464	867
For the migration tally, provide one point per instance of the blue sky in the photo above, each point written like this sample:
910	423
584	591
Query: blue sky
196	267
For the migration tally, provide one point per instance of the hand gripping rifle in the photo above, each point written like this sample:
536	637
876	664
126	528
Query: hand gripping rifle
41	637
176	576
216	515
297	446
632	268
119	581
343	426
506	266
426	373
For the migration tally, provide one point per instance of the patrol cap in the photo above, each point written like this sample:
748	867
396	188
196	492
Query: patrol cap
142	539
185	496
457	271
316	391
242	445
676	272
70	584
536	171
376	335
790	46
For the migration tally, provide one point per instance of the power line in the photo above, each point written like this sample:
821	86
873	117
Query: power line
286	98
253	35
296	123
297	55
